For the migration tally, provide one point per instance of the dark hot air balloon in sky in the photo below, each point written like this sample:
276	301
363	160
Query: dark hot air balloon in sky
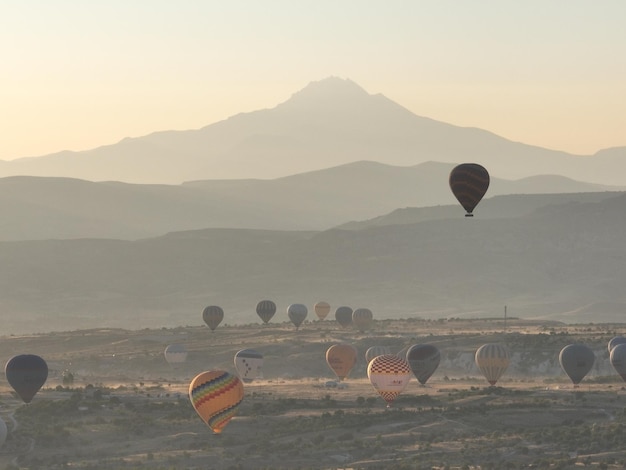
469	183
618	359
26	373
213	316
297	313
266	310
424	360
576	360
343	315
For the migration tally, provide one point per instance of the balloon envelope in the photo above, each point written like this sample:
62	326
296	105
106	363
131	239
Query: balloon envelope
297	313
175	353
615	341
469	183
26	373
266	310
216	396
362	318
492	359
4	432
341	358
576	360
249	364
322	309
618	359
374	351
213	316
424	360
343	315
389	375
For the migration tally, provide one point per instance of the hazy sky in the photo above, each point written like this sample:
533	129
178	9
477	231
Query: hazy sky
77	74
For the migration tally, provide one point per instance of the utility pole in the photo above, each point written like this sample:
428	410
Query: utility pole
505	318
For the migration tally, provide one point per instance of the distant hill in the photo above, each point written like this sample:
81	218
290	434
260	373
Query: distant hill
326	124
34	208
563	261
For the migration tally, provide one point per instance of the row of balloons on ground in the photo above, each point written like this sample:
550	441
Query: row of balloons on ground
217	394
361	318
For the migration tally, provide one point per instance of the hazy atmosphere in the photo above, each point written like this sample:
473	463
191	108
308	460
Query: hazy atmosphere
313	235
78	75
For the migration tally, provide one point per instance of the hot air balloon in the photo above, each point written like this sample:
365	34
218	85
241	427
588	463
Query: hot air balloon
576	360
341	358
362	318
216	396
618	359
469	183
249	364
343	315
374	351
492	359
615	341
26	373
175	353
266	310
297	313
389	375
213	316
4	432
322	309
424	360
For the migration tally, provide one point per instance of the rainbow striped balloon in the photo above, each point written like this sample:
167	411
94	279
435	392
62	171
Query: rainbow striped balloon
216	396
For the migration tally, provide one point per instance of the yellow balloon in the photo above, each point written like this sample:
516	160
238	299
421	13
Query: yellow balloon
492	359
216	396
322	309
341	358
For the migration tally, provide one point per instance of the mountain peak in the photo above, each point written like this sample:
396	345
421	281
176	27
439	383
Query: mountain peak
330	88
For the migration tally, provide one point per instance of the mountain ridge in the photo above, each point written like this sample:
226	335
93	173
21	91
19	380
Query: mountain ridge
327	123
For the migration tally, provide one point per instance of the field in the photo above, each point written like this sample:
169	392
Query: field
126	407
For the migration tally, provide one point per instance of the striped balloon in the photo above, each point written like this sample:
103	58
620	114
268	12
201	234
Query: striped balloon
266	310
297	313
469	183
389	375
492	359
362	318
213	316
216	396
374	351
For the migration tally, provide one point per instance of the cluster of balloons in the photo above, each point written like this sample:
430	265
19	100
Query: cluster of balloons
361	318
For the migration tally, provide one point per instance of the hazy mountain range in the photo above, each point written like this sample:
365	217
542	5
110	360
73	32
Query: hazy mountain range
44	207
334	195
565	260
328	123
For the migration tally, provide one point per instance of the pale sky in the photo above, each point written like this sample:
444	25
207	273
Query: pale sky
78	74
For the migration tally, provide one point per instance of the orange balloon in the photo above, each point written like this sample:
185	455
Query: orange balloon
216	396
341	358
